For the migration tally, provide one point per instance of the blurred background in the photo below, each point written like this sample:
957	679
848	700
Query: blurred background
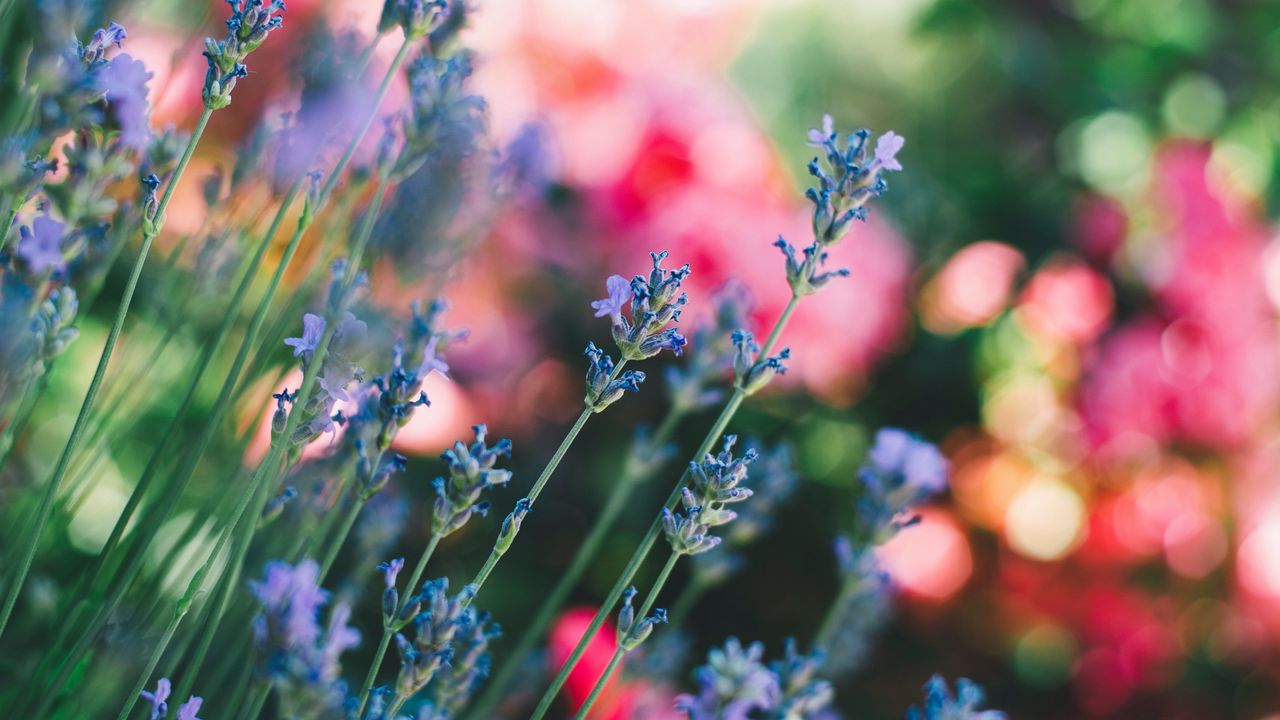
1072	287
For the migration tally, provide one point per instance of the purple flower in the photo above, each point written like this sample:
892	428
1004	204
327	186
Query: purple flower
734	684
887	147
818	137
939	705
312	329
41	248
919	463
291	595
619	289
189	708
124	80
432	361
159	706
339	637
391	570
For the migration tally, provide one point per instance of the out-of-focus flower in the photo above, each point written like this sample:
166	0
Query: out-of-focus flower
124	81
41	247
940	705
1066	301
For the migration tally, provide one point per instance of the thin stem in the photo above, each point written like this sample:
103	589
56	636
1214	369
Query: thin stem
650	537
348	522
158	652
617	654
28	552
253	708
391	624
831	621
269	469
632	478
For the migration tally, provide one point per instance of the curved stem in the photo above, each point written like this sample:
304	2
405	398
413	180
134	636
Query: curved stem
650	537
617	654
831	621
28	552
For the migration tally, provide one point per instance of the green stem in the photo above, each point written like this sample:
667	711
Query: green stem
183	606
27	554
348	522
650	537
633	477
254	707
391	624
831	621
269	469
617	654
175	425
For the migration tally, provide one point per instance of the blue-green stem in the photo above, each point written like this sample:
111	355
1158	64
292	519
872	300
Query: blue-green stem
655	529
632	478
27	554
622	649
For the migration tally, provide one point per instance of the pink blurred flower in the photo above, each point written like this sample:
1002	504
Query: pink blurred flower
972	288
1066	301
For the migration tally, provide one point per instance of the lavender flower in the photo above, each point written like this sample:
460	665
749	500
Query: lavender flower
619	294
188	709
751	375
887	147
416	17
775	479
160	705
159	698
94	52
631	633
437	620
714	483
736	685
124	82
250	23
655	301
940	705
472	471
41	246
390	595
454	684
733	685
688	386
312	330
299	657
901	472
602	388
847	180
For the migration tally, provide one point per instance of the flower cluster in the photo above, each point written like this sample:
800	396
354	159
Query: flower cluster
735	684
444	628
446	121
471	471
749	373
774	479
901	472
298	655
630	632
847	179
605	385
454	684
159	700
713	483
417	18
940	705
656	302
250	23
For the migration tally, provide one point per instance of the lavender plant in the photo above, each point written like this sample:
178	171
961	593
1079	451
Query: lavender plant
359	387
847	179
